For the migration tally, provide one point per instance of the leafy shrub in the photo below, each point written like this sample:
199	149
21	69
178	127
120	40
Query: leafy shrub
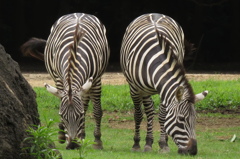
82	150
42	146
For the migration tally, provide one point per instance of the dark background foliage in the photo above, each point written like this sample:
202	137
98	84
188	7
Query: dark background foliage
212	25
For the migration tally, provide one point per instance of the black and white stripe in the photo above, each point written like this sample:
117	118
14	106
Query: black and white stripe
152	54
76	55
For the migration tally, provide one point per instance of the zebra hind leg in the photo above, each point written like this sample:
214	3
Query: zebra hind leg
97	111
149	110
138	116
163	142
97	131
85	100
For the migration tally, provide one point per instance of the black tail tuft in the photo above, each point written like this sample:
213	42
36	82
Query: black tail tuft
34	48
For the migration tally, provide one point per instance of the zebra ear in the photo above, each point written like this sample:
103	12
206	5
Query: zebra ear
53	90
85	88
179	93
200	96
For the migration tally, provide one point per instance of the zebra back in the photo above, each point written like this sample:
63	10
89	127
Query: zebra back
148	25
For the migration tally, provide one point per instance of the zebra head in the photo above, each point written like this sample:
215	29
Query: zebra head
71	112
180	120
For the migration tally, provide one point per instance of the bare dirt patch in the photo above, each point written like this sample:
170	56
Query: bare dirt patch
126	120
37	79
204	123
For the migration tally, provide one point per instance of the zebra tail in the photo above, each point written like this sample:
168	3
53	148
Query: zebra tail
78	35
34	48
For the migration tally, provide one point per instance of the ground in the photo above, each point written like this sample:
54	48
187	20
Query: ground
117	78
118	120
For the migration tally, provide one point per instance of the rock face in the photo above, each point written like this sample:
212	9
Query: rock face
18	108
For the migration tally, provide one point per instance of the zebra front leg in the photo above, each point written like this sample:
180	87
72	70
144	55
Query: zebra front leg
163	142
85	100
148	107
97	131
138	116
61	134
97	113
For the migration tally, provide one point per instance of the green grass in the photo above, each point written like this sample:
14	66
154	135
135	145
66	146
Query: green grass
222	94
117	98
117	104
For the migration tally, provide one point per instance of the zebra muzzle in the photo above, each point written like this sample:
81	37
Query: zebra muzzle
190	149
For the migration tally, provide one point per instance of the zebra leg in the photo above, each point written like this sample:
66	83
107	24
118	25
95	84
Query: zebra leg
97	112
85	100
163	136
138	116
148	107
61	134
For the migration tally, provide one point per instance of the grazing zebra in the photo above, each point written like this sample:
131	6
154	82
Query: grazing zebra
76	55
152	55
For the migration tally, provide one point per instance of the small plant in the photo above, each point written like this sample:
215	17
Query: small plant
42	146
82	151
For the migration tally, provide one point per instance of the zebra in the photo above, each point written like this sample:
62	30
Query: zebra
76	55
151	59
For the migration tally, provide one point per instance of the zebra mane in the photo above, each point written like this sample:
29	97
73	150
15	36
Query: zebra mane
77	37
191	95
189	48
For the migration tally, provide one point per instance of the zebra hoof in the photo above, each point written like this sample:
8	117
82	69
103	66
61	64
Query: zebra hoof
61	141
98	145
147	148
136	149
165	149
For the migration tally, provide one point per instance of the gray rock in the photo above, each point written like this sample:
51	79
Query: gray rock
18	108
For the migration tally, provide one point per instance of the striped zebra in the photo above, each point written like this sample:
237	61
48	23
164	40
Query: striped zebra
151	57
76	55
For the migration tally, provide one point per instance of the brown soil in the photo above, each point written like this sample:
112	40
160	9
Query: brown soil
204	123
37	79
